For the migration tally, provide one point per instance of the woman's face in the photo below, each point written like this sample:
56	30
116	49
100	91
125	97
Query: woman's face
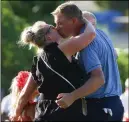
52	34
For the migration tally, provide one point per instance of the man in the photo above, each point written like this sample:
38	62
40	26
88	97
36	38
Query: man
103	88
5	107
91	18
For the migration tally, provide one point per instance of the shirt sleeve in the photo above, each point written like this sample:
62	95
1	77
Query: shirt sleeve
90	59
34	71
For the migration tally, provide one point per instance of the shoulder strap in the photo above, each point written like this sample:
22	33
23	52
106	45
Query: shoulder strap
84	105
58	74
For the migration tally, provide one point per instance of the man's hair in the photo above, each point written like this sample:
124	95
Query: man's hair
69	10
89	14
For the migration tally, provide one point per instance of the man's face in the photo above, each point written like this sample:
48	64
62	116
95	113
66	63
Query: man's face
64	25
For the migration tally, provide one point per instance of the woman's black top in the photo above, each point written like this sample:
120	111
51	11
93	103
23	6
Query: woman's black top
50	84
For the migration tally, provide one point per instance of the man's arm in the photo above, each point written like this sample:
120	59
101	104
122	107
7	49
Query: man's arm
95	82
92	64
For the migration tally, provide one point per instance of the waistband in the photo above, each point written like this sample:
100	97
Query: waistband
101	99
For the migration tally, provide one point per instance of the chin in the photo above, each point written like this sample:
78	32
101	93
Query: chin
62	35
65	36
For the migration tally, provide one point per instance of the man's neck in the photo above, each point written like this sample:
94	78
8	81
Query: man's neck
78	29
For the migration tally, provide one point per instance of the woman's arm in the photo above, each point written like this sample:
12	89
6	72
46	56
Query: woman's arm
25	94
77	43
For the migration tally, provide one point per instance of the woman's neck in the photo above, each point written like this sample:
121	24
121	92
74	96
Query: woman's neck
59	39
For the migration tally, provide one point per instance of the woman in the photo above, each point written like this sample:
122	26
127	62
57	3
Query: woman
16	87
57	56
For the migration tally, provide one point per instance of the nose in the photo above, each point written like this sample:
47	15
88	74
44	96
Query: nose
53	27
57	27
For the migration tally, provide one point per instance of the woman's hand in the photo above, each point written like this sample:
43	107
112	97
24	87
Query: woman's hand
64	100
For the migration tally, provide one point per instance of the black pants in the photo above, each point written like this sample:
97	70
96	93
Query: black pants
95	110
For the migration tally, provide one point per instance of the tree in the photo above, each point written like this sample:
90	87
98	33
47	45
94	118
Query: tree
114	5
123	64
35	10
16	15
13	58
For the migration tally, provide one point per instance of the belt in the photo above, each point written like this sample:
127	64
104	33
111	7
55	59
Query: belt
101	99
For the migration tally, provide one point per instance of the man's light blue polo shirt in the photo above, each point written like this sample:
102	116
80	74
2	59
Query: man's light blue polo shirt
100	53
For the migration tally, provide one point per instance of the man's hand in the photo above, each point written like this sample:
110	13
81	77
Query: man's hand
64	100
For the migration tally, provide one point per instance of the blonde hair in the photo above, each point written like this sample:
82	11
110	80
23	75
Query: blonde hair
69	10
15	92
16	87
87	14
33	35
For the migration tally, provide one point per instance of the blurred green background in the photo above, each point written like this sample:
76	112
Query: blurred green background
18	14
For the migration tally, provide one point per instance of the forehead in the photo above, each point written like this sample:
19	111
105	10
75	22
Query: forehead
59	18
91	19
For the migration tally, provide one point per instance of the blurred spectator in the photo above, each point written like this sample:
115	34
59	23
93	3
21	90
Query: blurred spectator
126	117
17	85
2	93
116	54
5	107
9	102
91	18
125	100
125	95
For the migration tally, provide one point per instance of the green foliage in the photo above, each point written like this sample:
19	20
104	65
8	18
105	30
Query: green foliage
115	5
16	15
103	4
35	10
14	58
123	65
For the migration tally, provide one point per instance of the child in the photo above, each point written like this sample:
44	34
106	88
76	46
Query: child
16	87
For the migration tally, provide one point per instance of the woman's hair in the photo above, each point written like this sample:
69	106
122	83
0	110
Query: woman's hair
33	35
